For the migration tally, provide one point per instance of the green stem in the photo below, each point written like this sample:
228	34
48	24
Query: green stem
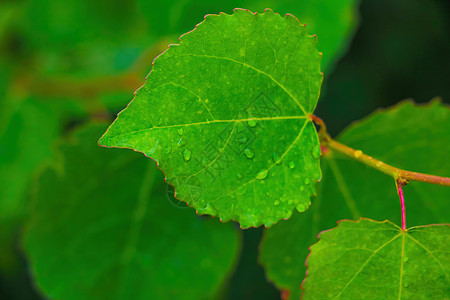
399	175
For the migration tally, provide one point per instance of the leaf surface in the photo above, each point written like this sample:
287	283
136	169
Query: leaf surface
378	260
226	115
409	136
103	228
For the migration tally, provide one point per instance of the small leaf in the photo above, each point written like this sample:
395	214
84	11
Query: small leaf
378	260
409	136
106	227
241	87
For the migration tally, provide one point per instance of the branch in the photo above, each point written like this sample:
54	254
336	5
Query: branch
399	175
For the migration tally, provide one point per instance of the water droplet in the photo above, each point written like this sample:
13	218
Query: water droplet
181	142
180	131
276	203
405	284
357	153
405	259
307	181
379	164
168	150
301	207
243	140
291	165
239	176
276	158
262	174
290	202
186	154
251	123
302	188
249	153
316	153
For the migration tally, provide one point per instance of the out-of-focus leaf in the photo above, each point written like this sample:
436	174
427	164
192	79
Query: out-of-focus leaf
379	260
25	145
226	115
28	130
409	136
104	228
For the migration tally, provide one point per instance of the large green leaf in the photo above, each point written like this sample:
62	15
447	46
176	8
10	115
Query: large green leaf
409	136
379	260
103	228
226	115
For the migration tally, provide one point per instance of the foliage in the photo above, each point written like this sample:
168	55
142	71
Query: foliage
400	135
257	67
115	227
81	221
413	263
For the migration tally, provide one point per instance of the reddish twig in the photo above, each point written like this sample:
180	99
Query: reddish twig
400	185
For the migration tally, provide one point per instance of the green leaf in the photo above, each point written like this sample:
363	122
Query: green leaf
103	228
378	260
409	136
27	131
226	115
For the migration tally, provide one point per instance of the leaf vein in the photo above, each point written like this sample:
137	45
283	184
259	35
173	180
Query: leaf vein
257	70
365	263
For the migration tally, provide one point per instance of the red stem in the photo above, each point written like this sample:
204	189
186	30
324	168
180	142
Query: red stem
402	202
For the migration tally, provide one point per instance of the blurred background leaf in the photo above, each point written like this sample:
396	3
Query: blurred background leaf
102	227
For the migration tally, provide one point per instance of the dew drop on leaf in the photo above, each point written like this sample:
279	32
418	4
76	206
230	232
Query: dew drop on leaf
251	123
262	174
276	158
301	207
239	176
405	284
291	165
316	153
243	140
379	164
290	202
357	153
180	131
276	203
168	150
181	142
187	154
405	259
307	181
249	153
302	188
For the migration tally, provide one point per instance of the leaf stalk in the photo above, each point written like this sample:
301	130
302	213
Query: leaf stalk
399	175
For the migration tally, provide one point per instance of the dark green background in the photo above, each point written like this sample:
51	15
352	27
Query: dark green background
400	50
